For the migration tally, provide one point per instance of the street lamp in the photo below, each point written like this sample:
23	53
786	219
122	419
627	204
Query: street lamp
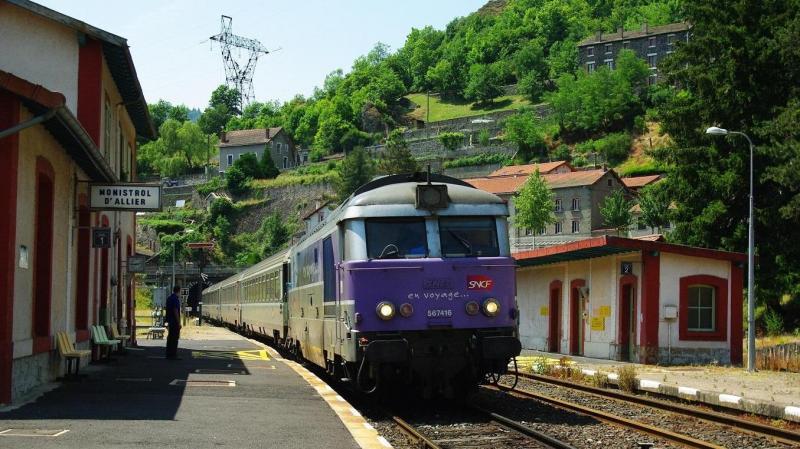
751	303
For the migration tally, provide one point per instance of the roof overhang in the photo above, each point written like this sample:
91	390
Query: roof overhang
608	245
64	126
119	61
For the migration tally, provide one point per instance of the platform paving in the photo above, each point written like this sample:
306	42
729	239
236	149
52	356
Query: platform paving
769	393
141	400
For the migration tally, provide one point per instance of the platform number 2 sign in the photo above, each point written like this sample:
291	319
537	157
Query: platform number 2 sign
627	268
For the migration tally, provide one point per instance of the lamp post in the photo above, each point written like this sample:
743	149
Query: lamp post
751	303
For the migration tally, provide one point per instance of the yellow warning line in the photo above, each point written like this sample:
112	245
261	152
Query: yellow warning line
257	354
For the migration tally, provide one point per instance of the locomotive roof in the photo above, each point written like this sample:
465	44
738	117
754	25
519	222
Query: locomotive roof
408	177
406	193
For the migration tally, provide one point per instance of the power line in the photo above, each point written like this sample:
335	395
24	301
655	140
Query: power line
238	76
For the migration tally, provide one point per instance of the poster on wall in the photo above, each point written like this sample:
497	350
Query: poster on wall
130	197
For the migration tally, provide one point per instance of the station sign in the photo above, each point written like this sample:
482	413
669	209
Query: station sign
128	196
101	237
137	264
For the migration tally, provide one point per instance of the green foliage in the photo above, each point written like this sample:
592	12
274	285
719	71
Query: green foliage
451	140
248	164
534	205
485	83
274	234
236	180
640	167
483	137
222	207
773	321
739	71
164	110
616	212
216	183
179	148
267	166
614	147
396	157
655	204
144	298
561	153
526	132
478	159
356	170
602	100
163	226
225	96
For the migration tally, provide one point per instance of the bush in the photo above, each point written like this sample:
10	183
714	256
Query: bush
451	141
478	159
483	137
639	124
213	185
562	153
773	321
579	161
236	180
626	378
614	147
585	147
163	226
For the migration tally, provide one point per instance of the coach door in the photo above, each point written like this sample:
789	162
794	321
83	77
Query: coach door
627	318
554	317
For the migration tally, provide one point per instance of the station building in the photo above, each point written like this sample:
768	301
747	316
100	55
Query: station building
71	110
632	300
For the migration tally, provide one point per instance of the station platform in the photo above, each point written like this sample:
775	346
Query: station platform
226	391
769	393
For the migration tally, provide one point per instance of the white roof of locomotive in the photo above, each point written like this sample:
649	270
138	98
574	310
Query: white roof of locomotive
406	193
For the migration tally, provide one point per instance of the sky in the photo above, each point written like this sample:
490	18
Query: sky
176	61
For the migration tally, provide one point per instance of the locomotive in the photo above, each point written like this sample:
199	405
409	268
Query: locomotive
409	281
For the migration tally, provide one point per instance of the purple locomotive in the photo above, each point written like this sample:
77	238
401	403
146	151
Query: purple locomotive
409	281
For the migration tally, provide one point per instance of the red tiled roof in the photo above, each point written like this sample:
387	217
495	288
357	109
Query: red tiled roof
640	181
511	184
545	167
249	137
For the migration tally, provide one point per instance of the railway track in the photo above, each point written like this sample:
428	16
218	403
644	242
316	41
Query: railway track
777	434
487	429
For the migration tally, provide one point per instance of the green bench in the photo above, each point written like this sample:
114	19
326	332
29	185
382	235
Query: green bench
101	341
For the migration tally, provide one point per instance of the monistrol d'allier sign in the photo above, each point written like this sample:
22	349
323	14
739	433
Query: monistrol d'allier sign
135	197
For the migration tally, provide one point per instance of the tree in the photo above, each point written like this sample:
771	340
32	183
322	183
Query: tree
268	168
249	165
179	148
355	171
523	129
739	71
534	205
485	83
274	234
226	96
655	204
214	119
396	157
616	212
236	180
451	140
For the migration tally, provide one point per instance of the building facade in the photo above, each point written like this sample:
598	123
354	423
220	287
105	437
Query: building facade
577	194
633	300
652	44
233	144
71	109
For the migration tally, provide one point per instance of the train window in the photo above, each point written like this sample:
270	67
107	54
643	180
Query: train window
468	237
328	271
396	238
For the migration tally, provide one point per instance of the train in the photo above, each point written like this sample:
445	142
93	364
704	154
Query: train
409	282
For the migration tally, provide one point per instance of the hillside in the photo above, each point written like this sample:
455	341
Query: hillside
441	109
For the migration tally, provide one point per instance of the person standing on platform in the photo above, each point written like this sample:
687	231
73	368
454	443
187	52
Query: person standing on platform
174	319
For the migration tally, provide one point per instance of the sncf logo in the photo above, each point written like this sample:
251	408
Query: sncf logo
479	282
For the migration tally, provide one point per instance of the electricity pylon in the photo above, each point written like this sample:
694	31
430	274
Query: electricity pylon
238	76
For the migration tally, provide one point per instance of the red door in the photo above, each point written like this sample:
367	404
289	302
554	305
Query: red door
554	317
576	318
627	318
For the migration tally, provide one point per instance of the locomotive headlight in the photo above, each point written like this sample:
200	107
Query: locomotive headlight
406	310
491	307
385	310
472	308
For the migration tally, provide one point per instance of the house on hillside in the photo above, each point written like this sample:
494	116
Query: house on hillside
650	43
529	169
233	144
577	197
636	183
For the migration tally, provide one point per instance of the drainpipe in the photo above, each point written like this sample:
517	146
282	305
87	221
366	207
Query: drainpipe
32	122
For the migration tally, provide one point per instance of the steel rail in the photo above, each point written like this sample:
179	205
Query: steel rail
743	425
413	433
518	427
682	440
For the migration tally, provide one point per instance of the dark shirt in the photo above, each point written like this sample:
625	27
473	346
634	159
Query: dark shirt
173	309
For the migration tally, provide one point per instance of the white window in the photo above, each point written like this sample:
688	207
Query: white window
558	205
652	79
528	231
626	45
701	310
558	229
230	160
542	231
590	67
285	162
589	51
576	204
651	60
576	226
609	63
608	49
651	42
107	128
670	39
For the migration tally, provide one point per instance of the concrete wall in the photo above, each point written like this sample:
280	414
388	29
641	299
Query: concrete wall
31	46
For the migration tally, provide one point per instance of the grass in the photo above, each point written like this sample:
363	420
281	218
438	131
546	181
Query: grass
289	179
448	109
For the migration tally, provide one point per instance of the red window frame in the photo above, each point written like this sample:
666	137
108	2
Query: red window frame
720	286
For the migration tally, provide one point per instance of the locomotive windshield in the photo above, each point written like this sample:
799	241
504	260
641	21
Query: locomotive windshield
468	237
396	238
